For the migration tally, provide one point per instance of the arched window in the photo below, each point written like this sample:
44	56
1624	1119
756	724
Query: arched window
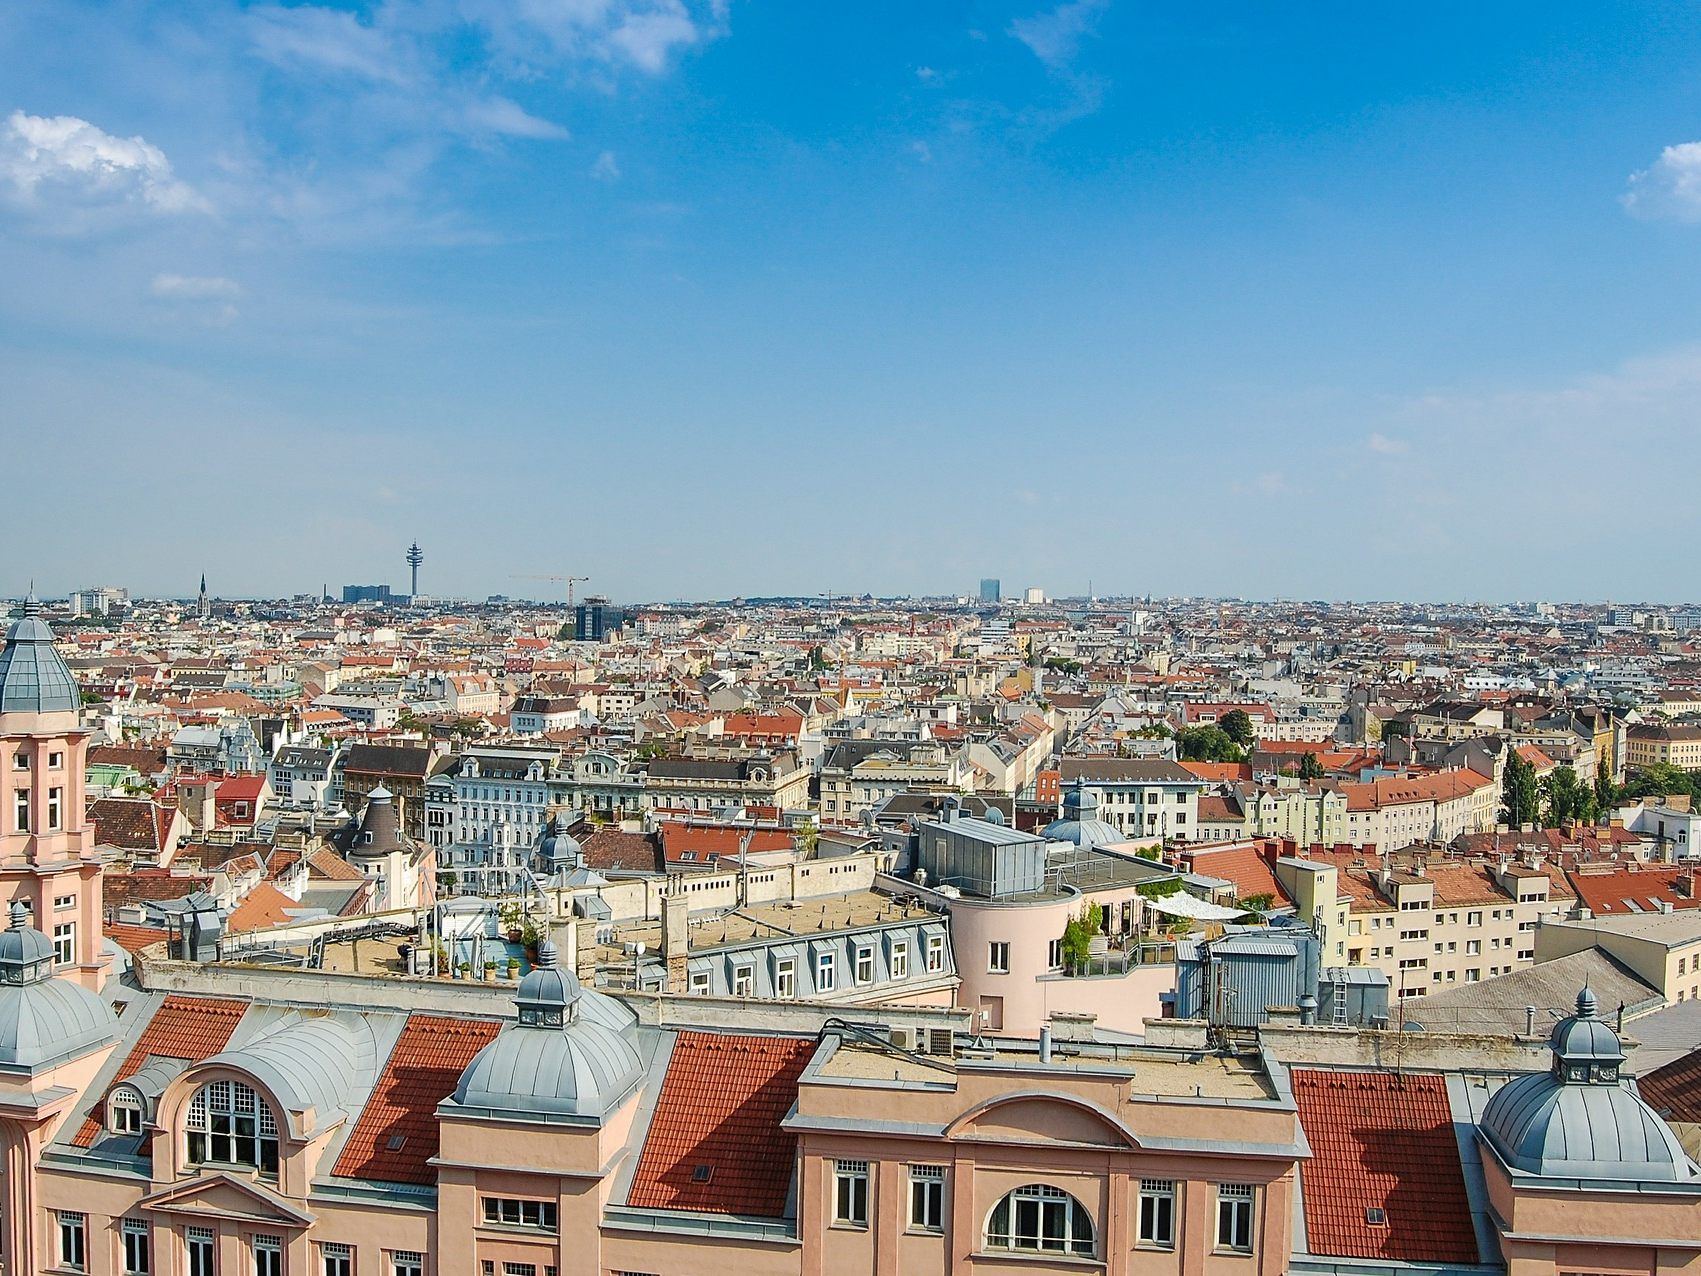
1040	1219
231	1125
124	1110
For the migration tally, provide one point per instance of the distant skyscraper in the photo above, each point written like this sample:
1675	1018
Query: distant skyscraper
990	589
590	623
366	593
415	556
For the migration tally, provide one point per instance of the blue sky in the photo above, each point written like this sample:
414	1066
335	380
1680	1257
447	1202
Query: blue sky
701	297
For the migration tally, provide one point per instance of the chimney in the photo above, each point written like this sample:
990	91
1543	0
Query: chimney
1045	1043
675	940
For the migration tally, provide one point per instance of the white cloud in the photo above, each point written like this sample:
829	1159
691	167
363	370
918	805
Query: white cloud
926	74
208	299
606	168
1269	483
500	117
646	38
1382	445
1055	37
193	287
1670	187
327	40
537	36
69	157
922	151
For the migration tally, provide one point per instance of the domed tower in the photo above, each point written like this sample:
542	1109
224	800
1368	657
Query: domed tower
404	872
567	1058
1579	1120
55	1034
1080	824
47	857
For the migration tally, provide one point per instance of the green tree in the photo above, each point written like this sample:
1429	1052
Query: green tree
1567	799
1520	791
1309	767
1207	744
1659	780
1078	933
1237	726
1606	792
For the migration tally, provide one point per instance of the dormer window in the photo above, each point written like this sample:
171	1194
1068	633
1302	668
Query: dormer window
229	1124
124	1111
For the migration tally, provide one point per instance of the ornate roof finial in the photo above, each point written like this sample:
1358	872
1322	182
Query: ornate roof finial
20	915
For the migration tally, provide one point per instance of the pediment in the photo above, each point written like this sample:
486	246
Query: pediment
1042	1118
224	1196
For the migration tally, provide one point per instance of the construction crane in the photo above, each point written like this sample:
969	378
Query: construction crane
570	580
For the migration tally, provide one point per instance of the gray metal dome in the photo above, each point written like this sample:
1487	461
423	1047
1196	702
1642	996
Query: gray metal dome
558	849
1580	1119
33	677
1080	824
307	1063
43	1020
557	1061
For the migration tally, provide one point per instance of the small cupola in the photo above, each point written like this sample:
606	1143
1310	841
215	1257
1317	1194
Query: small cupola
26	955
548	996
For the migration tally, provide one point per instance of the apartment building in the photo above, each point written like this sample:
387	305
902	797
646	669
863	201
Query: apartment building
1663	744
859	775
1430	922
1143	797
1397	811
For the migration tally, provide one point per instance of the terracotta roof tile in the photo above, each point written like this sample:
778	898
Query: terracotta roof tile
721	1106
192	1028
133	938
422	1071
1674	1091
1385	1141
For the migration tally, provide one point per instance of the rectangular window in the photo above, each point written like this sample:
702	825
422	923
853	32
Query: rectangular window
744	981
927	1198
20	762
824	972
1234	1217
1157	1213
785	978
55	760
336	1259
699	983
55	807
407	1262
865	965
64	901
998	958
901	959
268	1255
519	1269
502	1211
198	1244
1054	955
935	954
21	811
73	1240
138	1247
64	943
850	1193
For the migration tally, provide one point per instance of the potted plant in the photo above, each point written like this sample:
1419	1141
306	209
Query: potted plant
466	970
490	972
513	968
531	936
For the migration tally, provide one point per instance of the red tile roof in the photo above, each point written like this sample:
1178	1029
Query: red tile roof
422	1071
1382	1140
721	1106
1635	890
133	938
1674	1091
193	1028
263	906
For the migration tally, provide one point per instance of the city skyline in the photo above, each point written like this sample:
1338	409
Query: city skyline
1307	304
